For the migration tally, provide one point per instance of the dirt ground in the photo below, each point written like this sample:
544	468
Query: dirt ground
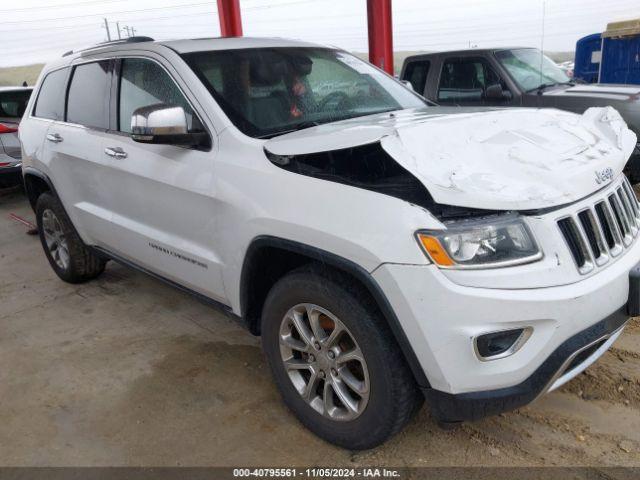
125	370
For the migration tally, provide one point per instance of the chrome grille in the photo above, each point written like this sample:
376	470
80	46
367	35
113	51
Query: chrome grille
603	230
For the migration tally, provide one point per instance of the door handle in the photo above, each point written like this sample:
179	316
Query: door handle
54	137
115	152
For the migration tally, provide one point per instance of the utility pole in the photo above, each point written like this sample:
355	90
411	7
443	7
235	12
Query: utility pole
106	26
118	27
126	29
133	32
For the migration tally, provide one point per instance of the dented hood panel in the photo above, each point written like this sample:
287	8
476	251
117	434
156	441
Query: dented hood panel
510	159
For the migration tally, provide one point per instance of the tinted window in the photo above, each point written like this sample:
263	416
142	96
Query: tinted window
50	102
464	80
269	91
416	74
144	83
13	103
88	102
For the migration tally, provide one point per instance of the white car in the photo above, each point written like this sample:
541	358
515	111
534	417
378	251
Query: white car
385	249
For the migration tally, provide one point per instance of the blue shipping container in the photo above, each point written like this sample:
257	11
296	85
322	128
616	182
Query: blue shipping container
587	61
610	57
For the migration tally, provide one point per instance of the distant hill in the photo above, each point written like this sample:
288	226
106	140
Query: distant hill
14	76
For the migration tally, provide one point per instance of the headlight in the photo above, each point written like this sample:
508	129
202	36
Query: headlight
491	242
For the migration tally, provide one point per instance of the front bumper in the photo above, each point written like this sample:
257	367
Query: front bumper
441	319
567	361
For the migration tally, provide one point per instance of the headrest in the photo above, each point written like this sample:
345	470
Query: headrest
267	69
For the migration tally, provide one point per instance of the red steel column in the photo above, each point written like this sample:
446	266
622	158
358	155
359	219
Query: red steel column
380	34
230	19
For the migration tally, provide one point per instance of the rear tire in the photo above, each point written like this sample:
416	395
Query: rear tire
69	257
390	397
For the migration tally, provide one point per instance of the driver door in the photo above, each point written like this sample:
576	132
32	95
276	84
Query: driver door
164	215
465	81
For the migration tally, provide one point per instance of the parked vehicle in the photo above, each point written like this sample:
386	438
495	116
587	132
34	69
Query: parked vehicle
13	101
516	77
610	57
385	250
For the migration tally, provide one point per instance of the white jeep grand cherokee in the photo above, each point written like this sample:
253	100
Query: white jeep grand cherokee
385	249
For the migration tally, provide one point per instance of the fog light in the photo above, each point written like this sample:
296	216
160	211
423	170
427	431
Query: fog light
492	346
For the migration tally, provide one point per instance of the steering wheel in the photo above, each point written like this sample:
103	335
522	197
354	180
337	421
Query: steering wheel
333	101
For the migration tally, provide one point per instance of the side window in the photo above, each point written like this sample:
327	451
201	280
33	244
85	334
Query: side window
416	73
464	80
50	101
88	100
143	83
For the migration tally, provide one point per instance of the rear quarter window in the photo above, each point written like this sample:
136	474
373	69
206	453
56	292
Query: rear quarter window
50	102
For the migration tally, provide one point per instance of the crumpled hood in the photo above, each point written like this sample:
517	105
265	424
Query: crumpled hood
509	159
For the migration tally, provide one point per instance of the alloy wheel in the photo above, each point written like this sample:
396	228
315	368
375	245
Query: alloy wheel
324	362
55	239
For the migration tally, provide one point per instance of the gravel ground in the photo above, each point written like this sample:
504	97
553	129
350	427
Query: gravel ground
127	371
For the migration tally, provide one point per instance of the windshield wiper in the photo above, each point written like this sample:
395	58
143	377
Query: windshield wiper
542	87
295	128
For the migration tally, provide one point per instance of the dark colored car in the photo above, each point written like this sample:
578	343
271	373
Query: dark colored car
516	77
13	101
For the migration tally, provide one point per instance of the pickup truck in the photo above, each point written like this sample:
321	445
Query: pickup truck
516	77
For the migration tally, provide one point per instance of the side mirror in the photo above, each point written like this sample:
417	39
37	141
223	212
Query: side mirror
408	84
163	124
495	92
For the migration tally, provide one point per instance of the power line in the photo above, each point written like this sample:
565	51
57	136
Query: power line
61	5
107	13
167	7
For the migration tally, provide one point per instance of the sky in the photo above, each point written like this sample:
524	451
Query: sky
39	30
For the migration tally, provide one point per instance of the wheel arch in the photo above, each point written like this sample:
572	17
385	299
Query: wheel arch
269	258
35	184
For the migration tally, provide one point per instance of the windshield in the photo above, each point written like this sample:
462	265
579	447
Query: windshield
530	68
269	91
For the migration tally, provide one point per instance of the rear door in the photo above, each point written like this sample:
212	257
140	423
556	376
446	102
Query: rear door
164	217
47	107
72	149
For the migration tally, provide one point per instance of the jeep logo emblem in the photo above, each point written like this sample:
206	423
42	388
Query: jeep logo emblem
604	175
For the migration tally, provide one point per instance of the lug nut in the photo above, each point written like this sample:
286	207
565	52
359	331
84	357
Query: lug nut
331	354
333	372
317	345
311	359
321	374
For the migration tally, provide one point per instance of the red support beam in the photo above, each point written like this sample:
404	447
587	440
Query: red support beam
380	34
230	19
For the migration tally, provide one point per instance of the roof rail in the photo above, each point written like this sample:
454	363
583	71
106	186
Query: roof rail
137	39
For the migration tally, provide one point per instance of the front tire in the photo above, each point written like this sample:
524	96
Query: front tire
69	257
334	359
